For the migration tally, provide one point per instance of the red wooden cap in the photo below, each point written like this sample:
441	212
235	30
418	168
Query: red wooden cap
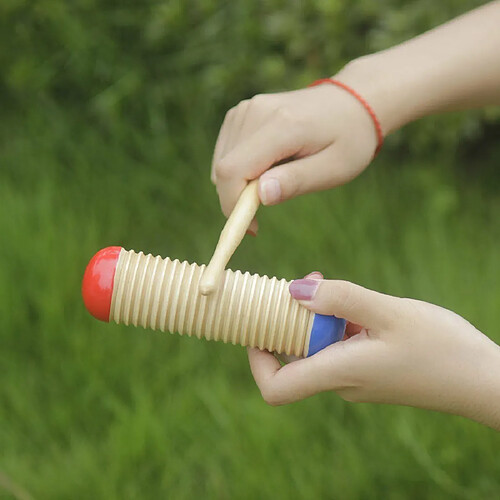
98	281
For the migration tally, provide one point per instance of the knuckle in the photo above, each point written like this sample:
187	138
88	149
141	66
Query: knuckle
397	312
292	125
223	169
229	115
343	294
263	105
242	105
270	396
286	117
258	100
235	110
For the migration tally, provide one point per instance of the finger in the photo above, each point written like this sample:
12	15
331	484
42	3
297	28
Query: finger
234	131
243	120
295	381
317	172
315	275
346	300
252	121
254	227
221	142
253	156
230	131
263	364
235	185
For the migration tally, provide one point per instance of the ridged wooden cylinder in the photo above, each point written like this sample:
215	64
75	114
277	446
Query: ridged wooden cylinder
249	310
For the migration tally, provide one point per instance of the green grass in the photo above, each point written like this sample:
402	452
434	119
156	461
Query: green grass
89	410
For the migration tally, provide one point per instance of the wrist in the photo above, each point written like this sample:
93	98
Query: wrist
389	93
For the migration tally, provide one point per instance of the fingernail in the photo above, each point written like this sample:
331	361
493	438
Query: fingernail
304	289
270	191
315	275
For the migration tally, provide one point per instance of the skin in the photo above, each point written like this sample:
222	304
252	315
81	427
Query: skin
389	359
321	137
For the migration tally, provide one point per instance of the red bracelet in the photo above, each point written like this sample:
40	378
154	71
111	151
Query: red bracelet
378	127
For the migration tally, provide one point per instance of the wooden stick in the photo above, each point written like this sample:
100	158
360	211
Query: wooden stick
231	236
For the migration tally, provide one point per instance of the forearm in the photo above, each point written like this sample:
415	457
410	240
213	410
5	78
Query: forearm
454	66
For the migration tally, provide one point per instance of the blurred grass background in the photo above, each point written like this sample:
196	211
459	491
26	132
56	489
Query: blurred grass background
109	116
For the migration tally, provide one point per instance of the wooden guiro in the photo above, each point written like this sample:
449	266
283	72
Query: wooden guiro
162	294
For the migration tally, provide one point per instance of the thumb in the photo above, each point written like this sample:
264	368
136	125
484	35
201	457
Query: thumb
315	172
346	300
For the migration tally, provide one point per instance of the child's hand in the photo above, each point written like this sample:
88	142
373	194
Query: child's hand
406	352
321	137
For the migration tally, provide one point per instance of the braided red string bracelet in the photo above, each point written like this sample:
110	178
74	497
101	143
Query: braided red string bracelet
378	127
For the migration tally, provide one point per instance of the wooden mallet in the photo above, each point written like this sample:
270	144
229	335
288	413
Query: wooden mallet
231	236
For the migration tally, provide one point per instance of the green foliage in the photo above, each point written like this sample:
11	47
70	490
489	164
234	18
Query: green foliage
154	61
110	111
